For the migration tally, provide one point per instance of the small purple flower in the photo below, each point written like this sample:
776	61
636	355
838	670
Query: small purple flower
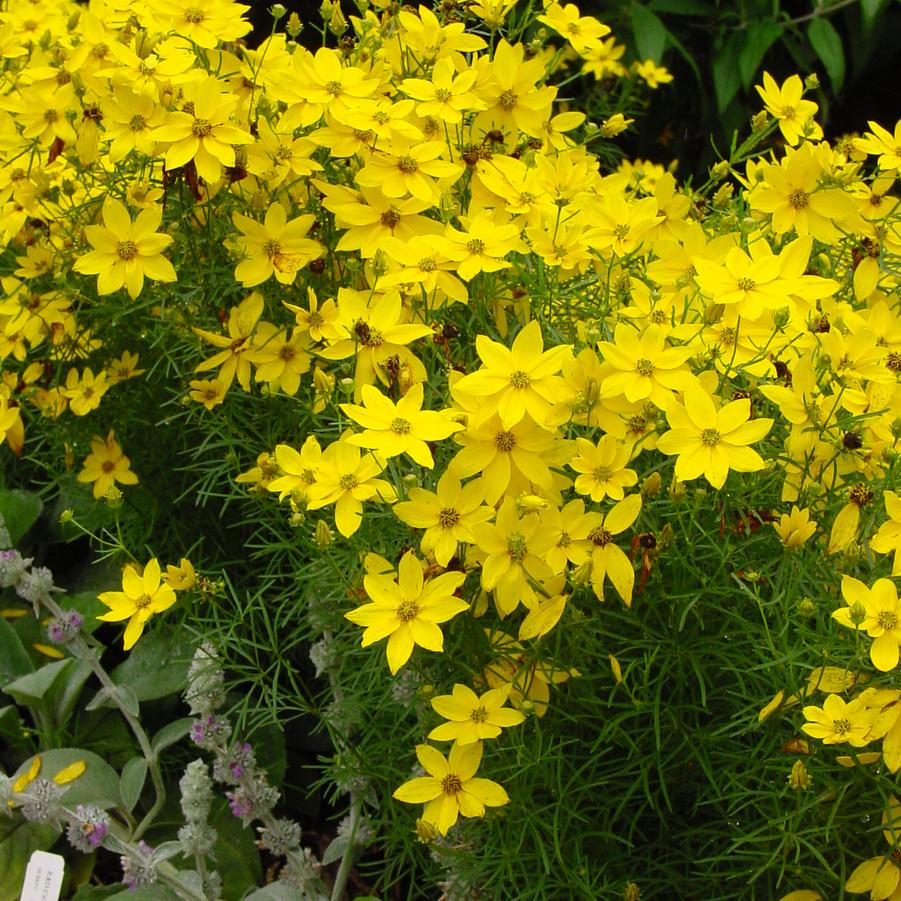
87	828
65	627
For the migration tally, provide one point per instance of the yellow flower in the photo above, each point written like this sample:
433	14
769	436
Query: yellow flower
11	429
297	471
401	428
608	560
882	143
346	479
795	528
86	392
447	96
448	515
209	392
125	251
784	102
881	876
881	617
838	721
414	169
583	32
406	610
181	577
281	357
603	468
652	74
204	134
710	442
451	789
242	320
142	595
106	465
276	247
472	717
887	539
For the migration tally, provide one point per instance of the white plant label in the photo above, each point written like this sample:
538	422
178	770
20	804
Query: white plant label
43	878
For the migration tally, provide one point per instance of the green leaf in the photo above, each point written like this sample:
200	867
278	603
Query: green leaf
336	849
277	891
14	659
170	734
19	839
870	10
157	666
236	854
32	689
726	79
131	783
98	784
154	892
10	722
96	892
760	36
20	511
66	693
650	34
827	44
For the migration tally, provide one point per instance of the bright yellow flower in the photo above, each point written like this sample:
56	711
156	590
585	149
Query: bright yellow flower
106	465
181	577
785	104
583	32
795	528
276	247
142	595
346	479
12	431
125	251
887	539
406	610
448	515
652	74
205	22
415	169
473	717
608	560
401	428
451	789
485	243
519	380
209	392
242	321
85	392
447	96
881	876
281	357
603	468
839	721
710	442
881	142
881	619
297	470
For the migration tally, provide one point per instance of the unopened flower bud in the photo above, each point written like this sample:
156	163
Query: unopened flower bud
719	171
799	779
676	489
277	11
723	195
812	82
651	486
759	120
323	536
631	892
294	25
858	613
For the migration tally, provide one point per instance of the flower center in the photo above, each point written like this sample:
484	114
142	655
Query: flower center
334	88
887	620
505	441
602	473
272	248
710	437
479	715
516	547
390	218
448	518
137	123
127	250
746	284
519	379
400	426
442	95
143	602
621	231
799	199
475	246
348	482
644	367
407	165
287	353
201	128
507	100
107	466
194	15
600	537
407	610
842	727
451	784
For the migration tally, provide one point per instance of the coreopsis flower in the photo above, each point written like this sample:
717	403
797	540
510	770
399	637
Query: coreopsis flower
607	560
583	32
276	246
709	441
887	539
295	470
181	577
652	74
414	169
448	95
126	251
11	429
839	721
85	391
124	368
448	515
233	360
795	528
785	103
281	357
209	392
205	22
142	595
346	478
518	380
106	465
485	242
407	610
881	876
879	141
202	131
876	610
402	428
603	468
450	789
473	717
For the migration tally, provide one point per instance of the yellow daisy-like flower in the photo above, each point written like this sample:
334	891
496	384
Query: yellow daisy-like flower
839	721
472	717
607	560
881	617
106	465
710	442
450	789
887	539
603	468
406	610
401	428
125	251
794	114
142	595
795	528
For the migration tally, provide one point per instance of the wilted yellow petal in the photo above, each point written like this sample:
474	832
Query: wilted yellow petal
844	529
12	612
70	773
864	759
831	679
49	651
543	618
771	708
804	894
616	669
